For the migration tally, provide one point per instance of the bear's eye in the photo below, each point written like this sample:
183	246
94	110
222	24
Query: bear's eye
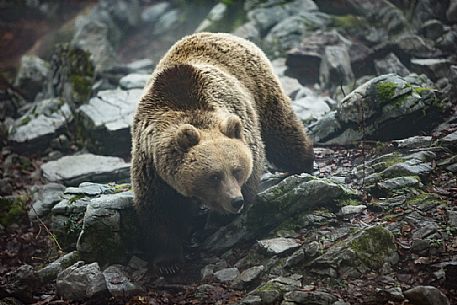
237	173
215	178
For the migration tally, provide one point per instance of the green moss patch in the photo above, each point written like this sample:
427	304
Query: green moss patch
373	246
12	209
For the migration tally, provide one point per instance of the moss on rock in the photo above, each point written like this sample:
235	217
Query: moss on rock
374	246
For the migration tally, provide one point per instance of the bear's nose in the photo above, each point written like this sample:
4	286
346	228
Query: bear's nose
238	203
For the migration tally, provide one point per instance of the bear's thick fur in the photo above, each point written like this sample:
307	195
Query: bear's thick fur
211	111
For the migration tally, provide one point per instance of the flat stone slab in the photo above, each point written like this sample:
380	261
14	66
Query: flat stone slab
72	170
278	245
107	119
34	131
134	81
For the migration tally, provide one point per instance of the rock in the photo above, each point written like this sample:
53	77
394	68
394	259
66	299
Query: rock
118	283
432	29
92	35
250	275
50	272
451	13
79	282
251	300
291	196
368	249
296	258
352	209
433	68
413	142
290	85
288	33
310	297
390	104
109	232
248	31
309	109
34	131
141	66
72	170
272	291
152	13
447	43
166	22
411	167
134	81
304	61
45	199
426	295
125	13
31	76
278	245
399	183
390	64
215	16
107	120
89	189
267	16
71	75
335	69
390	294
227	274
450	141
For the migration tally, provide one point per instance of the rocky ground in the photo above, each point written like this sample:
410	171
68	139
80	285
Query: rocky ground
375	82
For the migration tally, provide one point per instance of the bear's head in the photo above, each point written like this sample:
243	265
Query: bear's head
214	164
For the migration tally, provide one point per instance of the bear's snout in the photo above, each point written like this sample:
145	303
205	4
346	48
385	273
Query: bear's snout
238	204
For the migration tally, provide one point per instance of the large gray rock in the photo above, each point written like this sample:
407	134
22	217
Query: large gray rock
50	272
80	282
227	274
34	131
289	197
390	64
152	13
71	75
92	36
267	16
434	68
167	22
215	15
369	249
109	229
304	61
134	81
387	106
45	199
288	33
278	245
335	69
107	119
32	74
426	295
118	282
72	170
312	108
310	297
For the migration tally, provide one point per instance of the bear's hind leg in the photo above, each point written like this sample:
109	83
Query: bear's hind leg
286	143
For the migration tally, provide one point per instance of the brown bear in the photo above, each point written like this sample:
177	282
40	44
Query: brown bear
211	111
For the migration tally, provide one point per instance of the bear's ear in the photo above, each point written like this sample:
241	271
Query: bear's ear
231	127
178	84
187	136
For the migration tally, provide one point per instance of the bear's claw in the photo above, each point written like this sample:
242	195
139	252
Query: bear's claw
168	269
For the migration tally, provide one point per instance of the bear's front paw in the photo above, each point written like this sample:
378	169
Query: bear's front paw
167	269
